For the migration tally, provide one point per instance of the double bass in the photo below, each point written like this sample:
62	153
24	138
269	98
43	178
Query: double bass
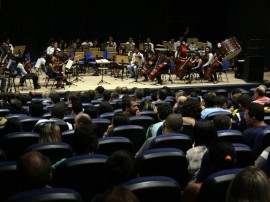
157	68
183	69
179	61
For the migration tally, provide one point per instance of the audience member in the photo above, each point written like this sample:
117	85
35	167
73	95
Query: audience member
50	132
92	111
191	111
251	184
117	120
260	95
99	92
76	107
147	105
35	109
13	125
222	122
130	107
81	119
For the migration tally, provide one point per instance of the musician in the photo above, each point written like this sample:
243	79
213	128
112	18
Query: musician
54	66
130	41
218	65
53	47
3	50
196	66
10	46
111	42
208	58
96	43
165	61
87	42
23	70
62	59
172	41
132	68
180	41
149	43
150	63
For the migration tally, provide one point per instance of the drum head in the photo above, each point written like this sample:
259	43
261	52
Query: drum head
232	54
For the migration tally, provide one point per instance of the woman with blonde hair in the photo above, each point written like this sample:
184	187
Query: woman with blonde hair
50	132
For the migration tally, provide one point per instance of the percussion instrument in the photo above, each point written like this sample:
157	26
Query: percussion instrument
229	48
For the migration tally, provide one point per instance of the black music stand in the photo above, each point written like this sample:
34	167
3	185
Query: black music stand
102	67
123	61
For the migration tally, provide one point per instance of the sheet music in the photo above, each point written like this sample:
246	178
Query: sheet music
104	61
69	64
38	63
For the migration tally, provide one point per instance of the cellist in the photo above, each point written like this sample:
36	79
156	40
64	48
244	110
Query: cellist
151	60
196	66
216	65
166	63
208	58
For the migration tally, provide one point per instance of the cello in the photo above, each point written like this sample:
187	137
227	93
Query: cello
210	70
183	69
180	61
157	68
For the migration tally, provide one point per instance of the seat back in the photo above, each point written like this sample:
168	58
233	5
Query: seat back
212	115
232	136
154	189
46	195
55	151
179	141
168	162
143	120
62	124
135	133
262	141
102	124
244	155
84	174
216	185
107	115
68	137
14	144
8	176
109	145
153	114
29	123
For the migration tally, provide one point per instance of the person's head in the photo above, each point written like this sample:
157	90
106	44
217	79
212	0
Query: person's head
251	184
129	106
34	170
209	99
106	95
55	97
105	107
148	105
50	132
222	122
243	101
13	125
99	90
221	156
124	90
59	110
207	49
119	194
35	109
162	94
86	140
15	106
164	110
254	114
205	133
72	97
81	119
121	166
92	111
191	108
77	107
120	119
180	93
221	102
114	95
138	95
172	124
260	92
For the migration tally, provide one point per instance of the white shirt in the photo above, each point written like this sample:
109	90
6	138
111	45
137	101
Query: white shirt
50	50
136	55
87	43
132	43
114	44
21	67
210	60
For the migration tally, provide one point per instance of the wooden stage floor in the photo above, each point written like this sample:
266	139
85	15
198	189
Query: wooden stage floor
87	82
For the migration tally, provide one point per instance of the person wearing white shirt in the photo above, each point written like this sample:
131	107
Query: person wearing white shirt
130	41
149	43
132	68
87	43
208	58
52	48
111	42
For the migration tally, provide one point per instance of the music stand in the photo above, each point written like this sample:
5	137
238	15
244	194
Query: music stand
18	50
93	49
127	46
110	49
123	61
102	63
78	57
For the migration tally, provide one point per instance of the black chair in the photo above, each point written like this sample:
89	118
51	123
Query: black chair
68	137
178	141
168	162
20	116
51	77
14	144
107	115
47	115
70	118
267	120
154	189
3	156
109	145
144	121
8	176
102	124
62	124
55	151
133	132
4	112
188	129
232	136
46	195
29	123
244	155
84	174
213	114
262	141
215	187
153	114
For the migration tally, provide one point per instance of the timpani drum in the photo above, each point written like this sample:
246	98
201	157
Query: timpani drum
229	48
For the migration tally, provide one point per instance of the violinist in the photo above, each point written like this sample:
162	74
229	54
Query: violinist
21	71
196	66
149	66
54	67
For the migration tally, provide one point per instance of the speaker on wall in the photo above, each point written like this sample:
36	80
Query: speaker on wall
253	69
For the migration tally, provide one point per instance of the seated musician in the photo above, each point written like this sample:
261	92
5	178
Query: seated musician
196	66
216	65
54	66
111	42
23	70
208	58
132	68
62	59
165	61
150	63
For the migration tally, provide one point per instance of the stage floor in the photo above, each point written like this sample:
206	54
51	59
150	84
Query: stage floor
87	82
